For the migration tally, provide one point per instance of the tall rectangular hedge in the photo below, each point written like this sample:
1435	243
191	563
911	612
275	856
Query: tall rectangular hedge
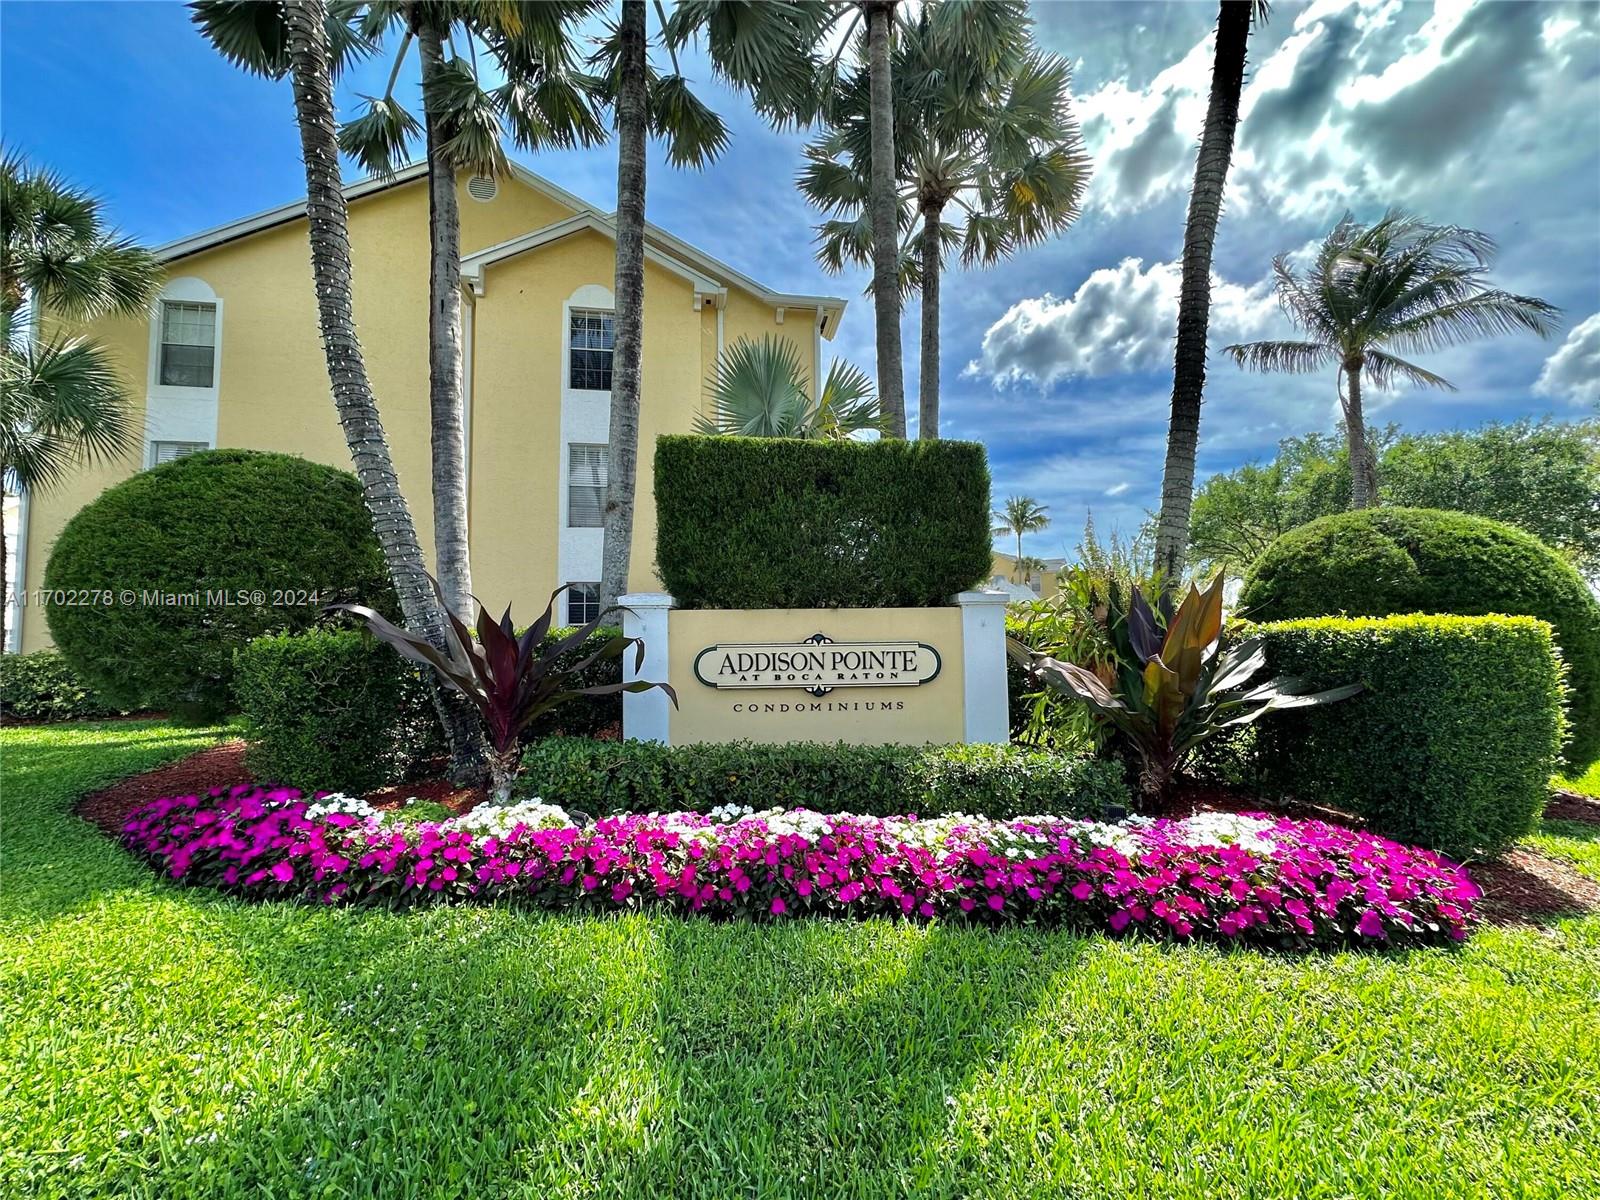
785	523
1451	745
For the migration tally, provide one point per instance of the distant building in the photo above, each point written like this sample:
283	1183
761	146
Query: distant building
1042	585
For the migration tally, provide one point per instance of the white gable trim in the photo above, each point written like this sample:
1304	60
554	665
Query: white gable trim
474	266
670	252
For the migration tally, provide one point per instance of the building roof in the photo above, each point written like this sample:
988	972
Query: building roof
669	251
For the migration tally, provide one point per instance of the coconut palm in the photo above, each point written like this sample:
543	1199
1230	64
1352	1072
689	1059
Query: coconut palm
302	40
1020	515
760	390
61	399
544	102
780	53
983	129
644	102
1402	285
1234	18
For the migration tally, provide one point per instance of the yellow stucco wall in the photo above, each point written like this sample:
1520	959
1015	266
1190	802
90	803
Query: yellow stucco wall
865	716
1004	565
273	386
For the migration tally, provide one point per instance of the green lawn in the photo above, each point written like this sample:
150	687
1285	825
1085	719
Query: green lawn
166	1044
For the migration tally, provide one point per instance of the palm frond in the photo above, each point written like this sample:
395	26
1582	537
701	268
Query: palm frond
1383	369
380	139
62	402
694	134
1293	358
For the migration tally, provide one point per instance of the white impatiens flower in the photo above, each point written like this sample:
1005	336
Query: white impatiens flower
338	802
1223	829
497	820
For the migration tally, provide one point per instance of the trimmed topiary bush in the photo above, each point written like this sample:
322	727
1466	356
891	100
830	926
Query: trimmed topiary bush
176	569
1452	743
786	523
324	709
42	687
1375	562
991	781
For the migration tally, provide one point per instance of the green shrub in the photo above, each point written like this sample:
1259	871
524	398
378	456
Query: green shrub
42	687
786	523
994	781
288	533
335	710
1375	562
324	710
1451	745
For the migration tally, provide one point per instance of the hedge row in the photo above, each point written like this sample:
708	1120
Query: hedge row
1452	744
786	523
42	686
336	710
992	781
1378	562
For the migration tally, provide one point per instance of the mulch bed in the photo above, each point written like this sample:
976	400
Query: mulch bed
223	767
1521	887
1570	806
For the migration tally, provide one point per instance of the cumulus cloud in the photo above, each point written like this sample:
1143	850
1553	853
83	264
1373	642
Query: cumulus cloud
1354	103
1121	319
1573	371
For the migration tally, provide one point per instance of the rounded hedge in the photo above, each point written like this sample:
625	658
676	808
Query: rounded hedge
160	580
1377	562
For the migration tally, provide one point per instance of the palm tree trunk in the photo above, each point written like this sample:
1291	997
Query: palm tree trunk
5	579
622	458
1363	466
885	233
353	400
452	565
932	260
1194	298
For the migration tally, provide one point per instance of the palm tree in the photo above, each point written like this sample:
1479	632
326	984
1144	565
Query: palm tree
983	124
1026	568
777	52
1234	18
1020	515
1398	285
760	390
304	42
61	399
544	102
644	102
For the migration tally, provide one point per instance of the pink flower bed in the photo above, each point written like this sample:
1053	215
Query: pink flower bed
1232	878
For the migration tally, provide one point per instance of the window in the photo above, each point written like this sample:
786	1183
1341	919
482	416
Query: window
188	344
589	355
162	452
586	486
583	603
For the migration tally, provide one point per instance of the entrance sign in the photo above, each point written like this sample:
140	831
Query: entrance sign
818	664
867	676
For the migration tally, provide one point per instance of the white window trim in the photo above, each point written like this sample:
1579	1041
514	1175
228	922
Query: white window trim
585	419
186	290
151	444
568	598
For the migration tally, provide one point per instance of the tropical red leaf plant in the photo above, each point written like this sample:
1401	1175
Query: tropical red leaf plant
1170	684
511	679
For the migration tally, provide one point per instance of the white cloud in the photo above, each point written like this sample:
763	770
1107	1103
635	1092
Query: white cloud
1121	319
1118	489
1573	371
1370	103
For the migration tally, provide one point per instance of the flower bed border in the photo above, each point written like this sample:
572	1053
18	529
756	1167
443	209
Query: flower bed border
1250	877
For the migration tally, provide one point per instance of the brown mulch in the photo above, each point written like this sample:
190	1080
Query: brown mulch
1570	806
1523	887
223	767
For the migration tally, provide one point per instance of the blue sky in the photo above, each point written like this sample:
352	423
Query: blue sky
1484	115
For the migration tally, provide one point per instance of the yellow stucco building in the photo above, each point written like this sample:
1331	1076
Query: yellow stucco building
230	357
